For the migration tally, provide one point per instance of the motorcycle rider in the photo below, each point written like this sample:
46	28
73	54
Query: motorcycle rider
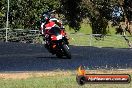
48	20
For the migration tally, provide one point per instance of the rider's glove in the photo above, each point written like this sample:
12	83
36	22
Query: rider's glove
62	27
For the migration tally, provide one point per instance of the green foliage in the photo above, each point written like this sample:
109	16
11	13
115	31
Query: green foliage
2	13
23	13
54	82
71	9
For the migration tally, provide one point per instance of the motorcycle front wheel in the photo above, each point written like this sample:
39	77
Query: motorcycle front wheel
66	51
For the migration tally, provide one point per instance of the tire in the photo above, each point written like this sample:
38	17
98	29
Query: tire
67	53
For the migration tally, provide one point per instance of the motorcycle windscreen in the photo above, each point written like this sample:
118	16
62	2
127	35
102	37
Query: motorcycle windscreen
55	31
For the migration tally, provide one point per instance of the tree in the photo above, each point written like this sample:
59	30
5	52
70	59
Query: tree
72	11
24	12
2	13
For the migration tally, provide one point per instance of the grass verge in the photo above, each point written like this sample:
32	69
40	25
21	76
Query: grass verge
83	38
56	80
115	41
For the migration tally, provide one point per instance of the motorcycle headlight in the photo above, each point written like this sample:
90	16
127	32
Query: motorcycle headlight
59	37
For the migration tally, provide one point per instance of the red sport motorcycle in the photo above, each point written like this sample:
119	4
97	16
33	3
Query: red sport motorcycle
57	43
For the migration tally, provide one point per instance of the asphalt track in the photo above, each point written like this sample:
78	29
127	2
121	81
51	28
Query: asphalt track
34	57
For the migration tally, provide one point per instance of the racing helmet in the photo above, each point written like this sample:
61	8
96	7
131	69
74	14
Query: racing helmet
45	17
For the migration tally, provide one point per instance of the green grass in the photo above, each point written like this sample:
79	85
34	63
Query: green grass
82	38
86	29
115	41
54	82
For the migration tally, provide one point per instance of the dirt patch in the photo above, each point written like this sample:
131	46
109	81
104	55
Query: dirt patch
25	75
14	75
119	71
